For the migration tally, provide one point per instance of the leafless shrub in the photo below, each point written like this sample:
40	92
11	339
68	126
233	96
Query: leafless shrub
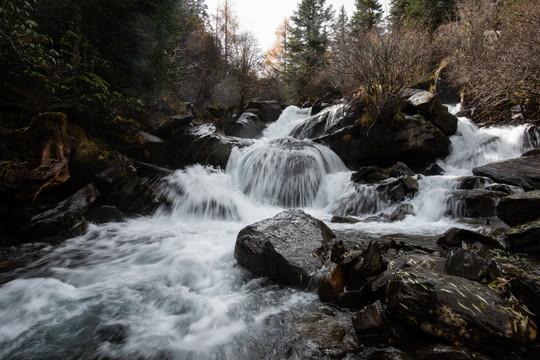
494	56
384	65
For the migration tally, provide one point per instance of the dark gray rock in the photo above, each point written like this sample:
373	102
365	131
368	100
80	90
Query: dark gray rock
267	111
329	330
455	238
468	264
66	219
473	203
425	103
507	189
525	238
105	213
448	352
526	287
370	324
523	172
433	170
248	126
472	182
170	126
289	248
368	175
399	189
520	208
368	265
400	169
457	310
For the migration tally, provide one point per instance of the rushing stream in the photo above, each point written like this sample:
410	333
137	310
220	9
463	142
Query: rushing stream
167	286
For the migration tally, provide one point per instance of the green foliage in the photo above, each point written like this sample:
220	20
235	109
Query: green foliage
309	41
427	13
367	15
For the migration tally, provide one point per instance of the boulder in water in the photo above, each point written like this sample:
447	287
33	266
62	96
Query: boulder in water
425	103
473	203
289	248
457	238
525	238
267	111
523	172
470	265
520	208
457	310
248	126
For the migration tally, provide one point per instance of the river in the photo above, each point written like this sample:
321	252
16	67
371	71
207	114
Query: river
167	286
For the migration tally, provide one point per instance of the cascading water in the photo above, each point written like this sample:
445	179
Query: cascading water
167	286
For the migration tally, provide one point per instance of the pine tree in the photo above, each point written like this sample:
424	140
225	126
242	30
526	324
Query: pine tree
427	13
368	14
309	41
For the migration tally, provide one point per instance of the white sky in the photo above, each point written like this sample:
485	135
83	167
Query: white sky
262	17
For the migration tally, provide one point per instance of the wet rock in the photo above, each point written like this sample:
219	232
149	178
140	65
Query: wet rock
523	172
369	264
526	287
433	170
425	103
507	189
525	238
457	310
400	169
410	139
267	111
370	324
104	214
368	175
399	189
331	331
116	178
468	264
344	220
456	238
473	203
170	126
331	285
448	352
349	259
289	248
66	219
472	182
203	145
519	208
400	212
248	126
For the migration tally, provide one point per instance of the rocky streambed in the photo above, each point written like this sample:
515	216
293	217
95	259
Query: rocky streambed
308	239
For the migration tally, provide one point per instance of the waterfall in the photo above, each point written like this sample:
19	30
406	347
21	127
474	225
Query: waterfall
167	285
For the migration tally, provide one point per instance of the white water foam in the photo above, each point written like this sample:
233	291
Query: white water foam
167	285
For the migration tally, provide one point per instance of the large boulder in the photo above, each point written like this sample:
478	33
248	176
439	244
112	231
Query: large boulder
267	111
457	310
523	172
411	139
525	238
519	208
204	145
289	248
248	126
425	103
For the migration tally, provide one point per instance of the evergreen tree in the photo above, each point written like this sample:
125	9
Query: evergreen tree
367	15
309	41
428	13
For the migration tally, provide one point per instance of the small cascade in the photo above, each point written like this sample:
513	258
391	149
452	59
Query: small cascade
198	193
285	172
290	118
317	125
359	200
473	146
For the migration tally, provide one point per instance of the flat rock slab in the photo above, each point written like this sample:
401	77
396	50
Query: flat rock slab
523	172
520	208
289	248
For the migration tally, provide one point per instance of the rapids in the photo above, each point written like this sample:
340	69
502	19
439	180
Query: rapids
167	286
